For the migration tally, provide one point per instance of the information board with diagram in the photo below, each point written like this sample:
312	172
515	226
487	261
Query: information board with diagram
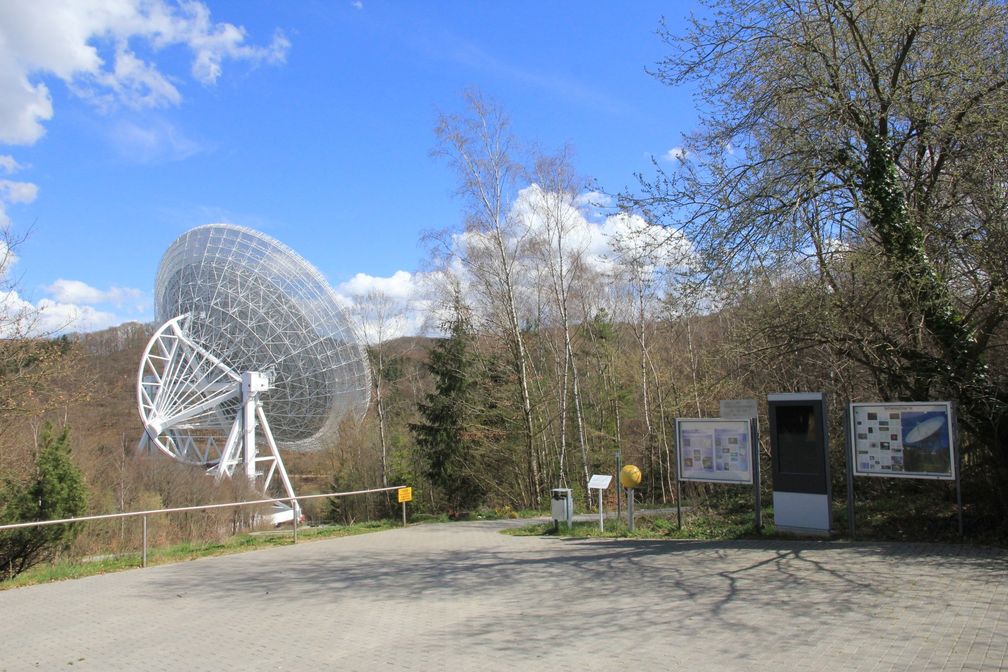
714	449
905	440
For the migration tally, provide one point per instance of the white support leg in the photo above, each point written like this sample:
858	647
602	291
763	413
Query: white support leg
278	462
229	457
248	434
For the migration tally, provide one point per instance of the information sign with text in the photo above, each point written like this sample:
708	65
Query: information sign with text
714	450
903	440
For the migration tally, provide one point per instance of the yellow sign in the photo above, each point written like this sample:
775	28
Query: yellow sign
630	477
405	495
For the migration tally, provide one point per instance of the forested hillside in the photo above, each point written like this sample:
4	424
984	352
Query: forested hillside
634	380
837	223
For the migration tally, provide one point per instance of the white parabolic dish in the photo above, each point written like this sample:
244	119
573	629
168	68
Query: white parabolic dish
255	305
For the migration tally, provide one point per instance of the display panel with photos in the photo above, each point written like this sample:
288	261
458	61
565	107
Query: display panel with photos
714	450
903	440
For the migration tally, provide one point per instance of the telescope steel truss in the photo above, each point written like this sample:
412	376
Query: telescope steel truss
190	401
251	331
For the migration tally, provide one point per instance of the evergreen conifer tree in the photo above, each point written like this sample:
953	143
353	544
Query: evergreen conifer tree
57	491
442	436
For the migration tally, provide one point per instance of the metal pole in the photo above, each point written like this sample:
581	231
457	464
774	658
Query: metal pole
145	541
959	502
953	411
619	486
850	470
678	479
630	498
959	495
404	514
294	508
678	501
757	495
601	513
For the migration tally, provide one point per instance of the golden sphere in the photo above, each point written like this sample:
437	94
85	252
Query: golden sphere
629	477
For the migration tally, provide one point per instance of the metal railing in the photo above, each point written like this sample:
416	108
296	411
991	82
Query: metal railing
201	507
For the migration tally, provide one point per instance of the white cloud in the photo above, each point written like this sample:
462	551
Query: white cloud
600	241
19	317
357	4
610	255
401	285
676	154
8	164
7	256
14	192
90	46
57	317
154	141
23	107
132	82
17	192
71	306
608	246
385	307
593	199
77	292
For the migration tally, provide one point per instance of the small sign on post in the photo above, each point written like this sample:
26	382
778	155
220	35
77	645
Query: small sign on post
739	409
405	495
600	482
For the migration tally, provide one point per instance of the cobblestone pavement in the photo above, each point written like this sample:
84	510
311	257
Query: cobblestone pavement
463	597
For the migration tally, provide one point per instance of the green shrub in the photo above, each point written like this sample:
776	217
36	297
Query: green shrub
56	491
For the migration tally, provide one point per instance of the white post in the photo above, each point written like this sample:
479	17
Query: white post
248	425
145	541
601	513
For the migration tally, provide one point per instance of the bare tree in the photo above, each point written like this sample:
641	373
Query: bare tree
640	266
553	203
380	318
31	362
480	147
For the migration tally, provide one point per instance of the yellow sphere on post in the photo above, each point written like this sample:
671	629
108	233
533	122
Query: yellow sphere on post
630	477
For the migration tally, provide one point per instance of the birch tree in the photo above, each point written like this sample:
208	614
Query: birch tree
380	318
554	204
480	147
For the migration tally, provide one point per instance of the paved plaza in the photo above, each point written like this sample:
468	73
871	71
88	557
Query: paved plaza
464	597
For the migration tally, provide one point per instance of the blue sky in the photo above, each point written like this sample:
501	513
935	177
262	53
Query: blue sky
310	121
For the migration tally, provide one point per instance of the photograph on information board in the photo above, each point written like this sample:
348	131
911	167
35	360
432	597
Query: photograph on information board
904	440
714	449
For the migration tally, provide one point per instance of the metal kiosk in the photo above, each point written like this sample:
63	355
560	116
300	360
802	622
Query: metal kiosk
800	461
562	507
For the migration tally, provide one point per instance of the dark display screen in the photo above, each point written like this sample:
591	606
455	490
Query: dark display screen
798	440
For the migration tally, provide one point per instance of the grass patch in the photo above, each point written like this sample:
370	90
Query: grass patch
485	513
919	519
696	525
881	519
248	541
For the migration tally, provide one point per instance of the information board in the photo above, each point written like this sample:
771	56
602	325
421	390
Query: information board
714	450
903	440
599	482
405	494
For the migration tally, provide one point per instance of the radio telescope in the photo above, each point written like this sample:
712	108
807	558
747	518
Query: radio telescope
253	338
